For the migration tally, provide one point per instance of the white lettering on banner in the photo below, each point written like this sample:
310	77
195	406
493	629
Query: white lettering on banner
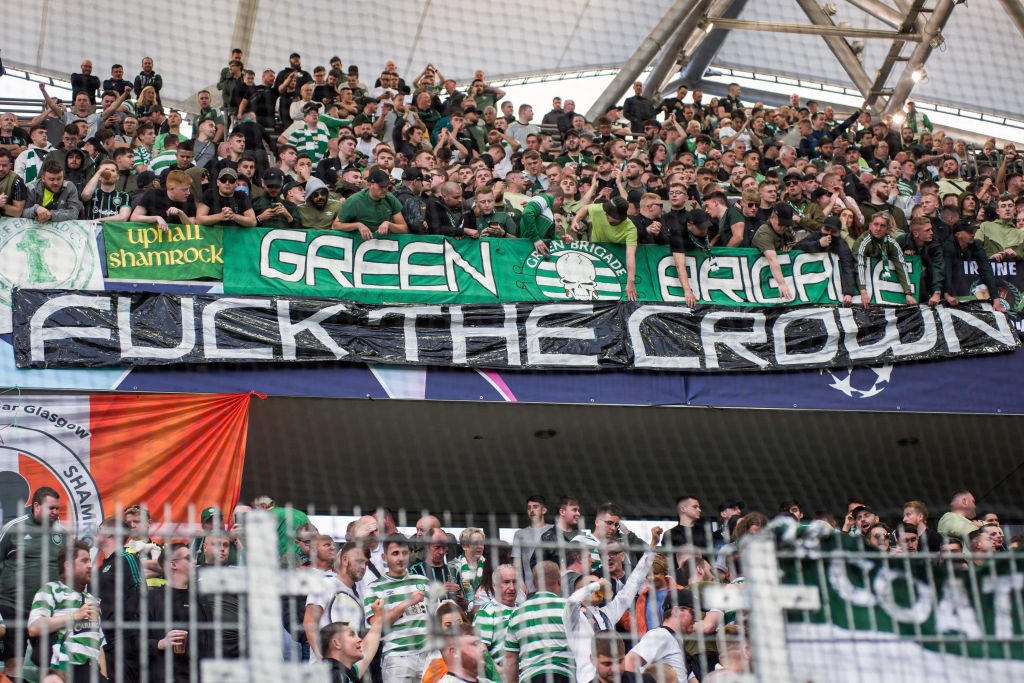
336	267
366	266
132	350
641	359
922	595
954	612
999	268
453	259
736	340
351	265
409	272
509	331
812	269
859	351
534	333
42	334
821	336
891	284
290	330
757	273
857	594
410	313
284	256
803	317
1001	332
210	347
727	286
1003	589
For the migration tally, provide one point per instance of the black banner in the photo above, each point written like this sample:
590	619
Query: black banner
59	328
1009	277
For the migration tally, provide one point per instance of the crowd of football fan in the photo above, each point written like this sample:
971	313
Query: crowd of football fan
561	603
328	151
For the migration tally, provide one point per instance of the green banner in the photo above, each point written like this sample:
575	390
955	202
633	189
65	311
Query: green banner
962	609
405	268
142	251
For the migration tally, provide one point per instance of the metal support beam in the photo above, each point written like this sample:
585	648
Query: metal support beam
879	10
642	56
815	30
911	19
839	47
669	55
245	24
1015	10
704	51
933	37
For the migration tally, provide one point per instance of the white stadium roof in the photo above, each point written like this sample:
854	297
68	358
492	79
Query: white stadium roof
976	67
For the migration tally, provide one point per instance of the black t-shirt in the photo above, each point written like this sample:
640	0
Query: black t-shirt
156	203
643	237
340	674
239	202
119	569
239	91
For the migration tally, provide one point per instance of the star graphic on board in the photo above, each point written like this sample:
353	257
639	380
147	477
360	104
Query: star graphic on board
883	375
842	385
884	372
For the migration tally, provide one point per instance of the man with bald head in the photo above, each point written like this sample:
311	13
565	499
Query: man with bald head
418	541
960	521
439	565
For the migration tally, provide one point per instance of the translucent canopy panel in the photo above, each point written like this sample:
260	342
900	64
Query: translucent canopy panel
974	69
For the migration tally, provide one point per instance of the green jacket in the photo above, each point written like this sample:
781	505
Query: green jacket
538	219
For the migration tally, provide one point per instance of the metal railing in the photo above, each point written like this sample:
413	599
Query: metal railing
791	602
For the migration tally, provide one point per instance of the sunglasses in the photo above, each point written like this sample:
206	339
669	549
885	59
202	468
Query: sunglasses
750	205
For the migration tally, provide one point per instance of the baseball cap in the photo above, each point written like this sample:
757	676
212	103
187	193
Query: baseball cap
615	208
273	177
680	597
859	509
378	177
784	212
310	106
965	226
209	513
700	218
228	172
290	185
145	178
833	225
412	173
471	110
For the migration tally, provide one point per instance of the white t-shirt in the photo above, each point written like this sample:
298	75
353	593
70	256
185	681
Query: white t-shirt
339	603
660	645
